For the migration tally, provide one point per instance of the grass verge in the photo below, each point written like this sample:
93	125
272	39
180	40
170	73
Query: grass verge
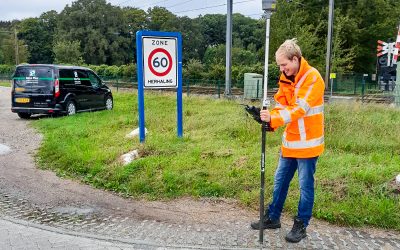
5	84
220	152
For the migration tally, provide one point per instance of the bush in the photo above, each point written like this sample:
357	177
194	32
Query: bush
129	70
194	69
216	72
6	69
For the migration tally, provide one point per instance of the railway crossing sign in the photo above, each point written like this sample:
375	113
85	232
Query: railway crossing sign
390	49
159	63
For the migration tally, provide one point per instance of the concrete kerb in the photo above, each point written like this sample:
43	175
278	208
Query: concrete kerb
133	243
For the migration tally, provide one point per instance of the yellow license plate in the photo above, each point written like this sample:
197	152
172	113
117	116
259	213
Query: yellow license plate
22	100
19	89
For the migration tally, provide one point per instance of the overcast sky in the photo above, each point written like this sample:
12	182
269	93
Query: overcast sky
20	9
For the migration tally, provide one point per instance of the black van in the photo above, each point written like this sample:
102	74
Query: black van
51	89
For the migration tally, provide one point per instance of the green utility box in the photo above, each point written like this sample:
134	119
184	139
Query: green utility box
253	86
397	87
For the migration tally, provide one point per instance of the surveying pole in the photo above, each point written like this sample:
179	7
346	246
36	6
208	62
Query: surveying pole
328	59
268	6
228	64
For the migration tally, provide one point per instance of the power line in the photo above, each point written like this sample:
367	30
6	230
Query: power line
120	3
139	2
187	1
256	14
209	7
179	4
214	6
154	3
318	5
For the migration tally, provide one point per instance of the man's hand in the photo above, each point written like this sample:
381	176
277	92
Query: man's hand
265	115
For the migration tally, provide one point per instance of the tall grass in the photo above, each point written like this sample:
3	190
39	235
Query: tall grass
5	83
219	155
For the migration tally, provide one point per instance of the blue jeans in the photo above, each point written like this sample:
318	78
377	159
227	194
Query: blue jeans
284	174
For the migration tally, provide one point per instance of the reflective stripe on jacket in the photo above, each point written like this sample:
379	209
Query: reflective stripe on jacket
300	106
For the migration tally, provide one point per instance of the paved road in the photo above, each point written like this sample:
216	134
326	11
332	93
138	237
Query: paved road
38	210
15	234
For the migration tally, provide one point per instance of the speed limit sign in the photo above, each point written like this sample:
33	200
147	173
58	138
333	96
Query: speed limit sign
160	62
159	65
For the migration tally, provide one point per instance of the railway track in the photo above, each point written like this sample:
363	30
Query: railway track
238	92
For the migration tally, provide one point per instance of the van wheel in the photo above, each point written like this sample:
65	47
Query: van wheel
71	108
24	115
109	103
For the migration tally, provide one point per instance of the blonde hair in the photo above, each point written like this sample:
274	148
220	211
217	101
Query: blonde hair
289	49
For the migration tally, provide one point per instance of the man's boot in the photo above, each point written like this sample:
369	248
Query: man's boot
298	231
267	223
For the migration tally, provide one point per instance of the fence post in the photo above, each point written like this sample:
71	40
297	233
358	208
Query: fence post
219	89
355	84
363	87
187	87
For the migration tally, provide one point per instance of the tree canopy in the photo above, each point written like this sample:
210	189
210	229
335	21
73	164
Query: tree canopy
97	32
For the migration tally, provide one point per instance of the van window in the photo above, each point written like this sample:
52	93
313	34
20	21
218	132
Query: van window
66	76
95	80
83	77
33	80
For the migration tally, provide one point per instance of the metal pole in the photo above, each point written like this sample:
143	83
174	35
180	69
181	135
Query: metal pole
262	178
228	70
266	101
265	105
16	47
329	43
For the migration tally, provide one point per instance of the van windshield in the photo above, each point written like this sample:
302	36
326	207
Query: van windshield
30	79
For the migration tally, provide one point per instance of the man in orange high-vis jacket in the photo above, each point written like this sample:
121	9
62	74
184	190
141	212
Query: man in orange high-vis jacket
299	106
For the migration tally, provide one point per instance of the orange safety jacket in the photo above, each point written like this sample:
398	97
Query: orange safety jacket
300	106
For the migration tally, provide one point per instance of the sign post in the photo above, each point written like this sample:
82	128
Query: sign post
159	62
332	76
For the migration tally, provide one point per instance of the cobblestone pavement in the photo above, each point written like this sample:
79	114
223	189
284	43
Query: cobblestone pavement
26	227
16	234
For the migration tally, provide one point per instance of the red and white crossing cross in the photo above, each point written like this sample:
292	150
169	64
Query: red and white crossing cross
382	48
396	51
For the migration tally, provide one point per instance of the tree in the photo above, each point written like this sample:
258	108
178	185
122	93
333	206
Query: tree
38	35
134	19
193	39
99	27
162	19
343	58
194	69
240	56
244	30
8	48
68	53
213	26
